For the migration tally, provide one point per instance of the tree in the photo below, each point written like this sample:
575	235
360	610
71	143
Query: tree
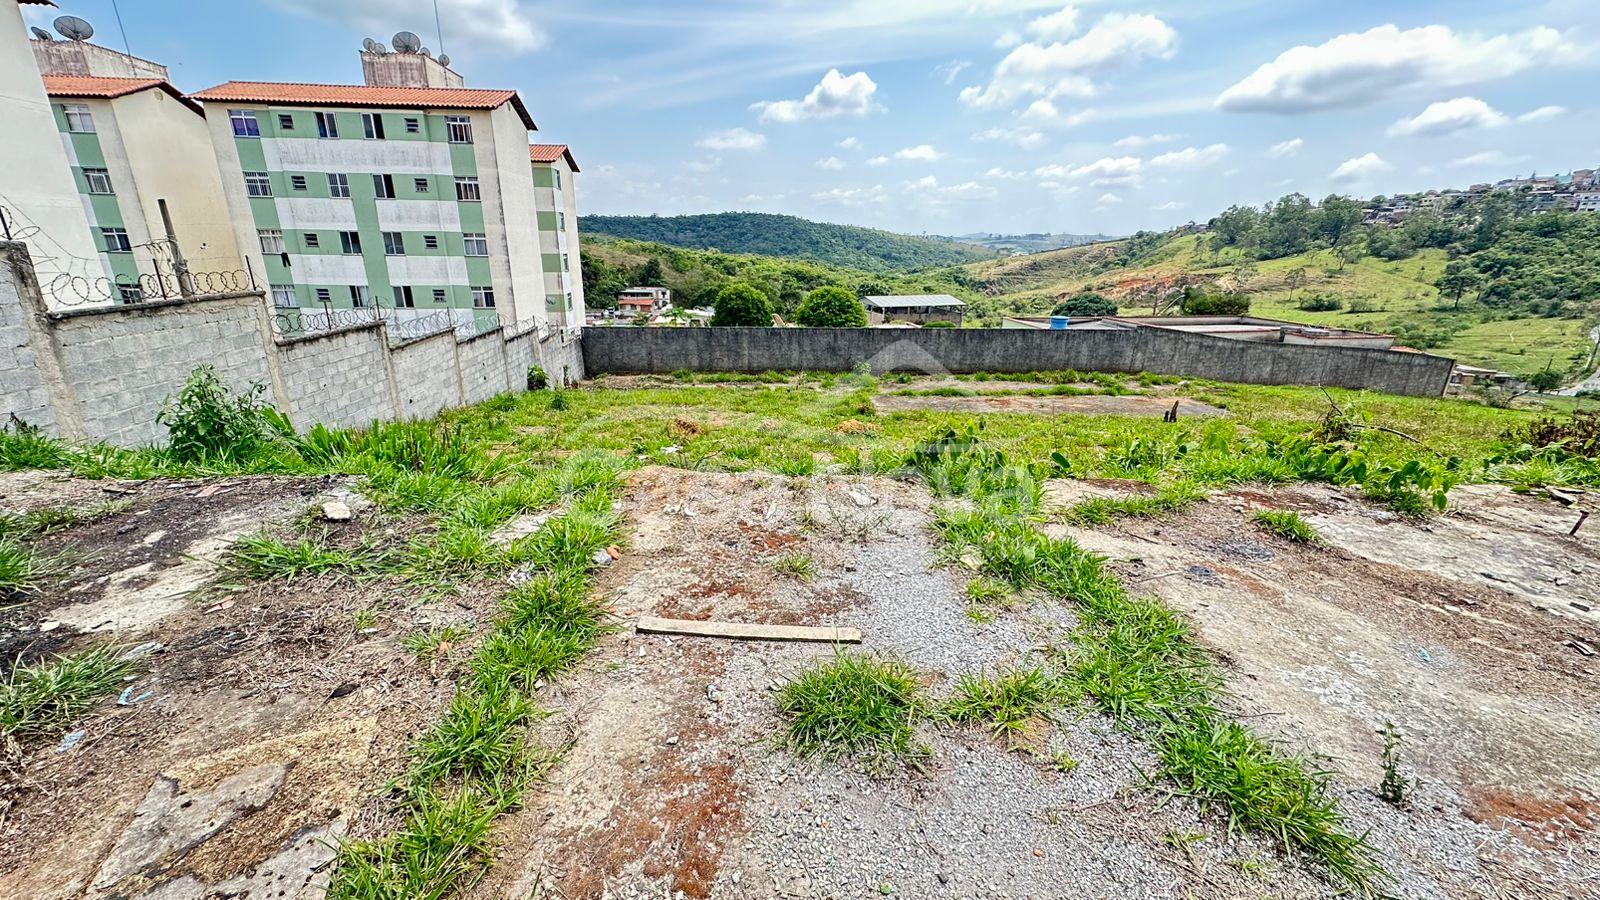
741	304
650	274
831	307
1545	381
1200	301
1245	271
601	282
1294	280
1085	304
1458	278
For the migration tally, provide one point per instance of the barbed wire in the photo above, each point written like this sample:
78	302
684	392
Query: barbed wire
404	324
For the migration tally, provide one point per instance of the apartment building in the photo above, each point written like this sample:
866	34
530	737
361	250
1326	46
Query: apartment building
397	195
141	161
555	195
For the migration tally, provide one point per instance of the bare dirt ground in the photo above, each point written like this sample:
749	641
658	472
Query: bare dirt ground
261	722
1092	404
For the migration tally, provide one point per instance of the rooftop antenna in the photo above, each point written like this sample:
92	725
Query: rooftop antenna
406	42
439	33
73	28
370	45
41	34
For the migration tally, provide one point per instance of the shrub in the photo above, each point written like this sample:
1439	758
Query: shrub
208	423
537	379
741	304
1322	303
1578	435
1202	302
1085	304
831	307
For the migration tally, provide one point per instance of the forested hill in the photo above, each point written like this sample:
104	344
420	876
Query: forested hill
770	235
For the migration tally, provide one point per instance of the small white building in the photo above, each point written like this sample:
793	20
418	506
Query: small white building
644	301
918	309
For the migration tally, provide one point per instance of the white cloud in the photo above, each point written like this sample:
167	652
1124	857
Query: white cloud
1357	69
1286	148
1168	206
1360	167
919	153
1067	69
849	143
832	163
878	161
1004	174
1135	141
835	95
928	188
1109	198
1121	171
852	196
709	164
1449	116
1058	26
1488	158
1191	157
733	139
499	26
1007	40
1542	113
952	70
1026	138
1042	111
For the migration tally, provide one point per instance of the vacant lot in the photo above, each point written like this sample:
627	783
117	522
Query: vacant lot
1105	655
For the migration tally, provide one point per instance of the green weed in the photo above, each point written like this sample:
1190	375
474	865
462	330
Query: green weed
796	564
1010	703
1287	525
854	706
435	643
48	696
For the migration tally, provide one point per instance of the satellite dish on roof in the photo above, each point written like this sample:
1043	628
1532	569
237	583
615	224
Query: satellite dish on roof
406	42
444	60
380	48
41	34
74	29
370	45
425	51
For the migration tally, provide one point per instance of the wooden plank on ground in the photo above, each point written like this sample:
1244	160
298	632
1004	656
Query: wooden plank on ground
749	632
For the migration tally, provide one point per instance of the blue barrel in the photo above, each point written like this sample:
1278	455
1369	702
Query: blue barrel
1059	323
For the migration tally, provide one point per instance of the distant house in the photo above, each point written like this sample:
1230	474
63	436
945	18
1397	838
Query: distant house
644	301
918	308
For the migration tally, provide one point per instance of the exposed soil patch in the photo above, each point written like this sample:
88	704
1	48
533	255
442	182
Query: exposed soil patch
1097	405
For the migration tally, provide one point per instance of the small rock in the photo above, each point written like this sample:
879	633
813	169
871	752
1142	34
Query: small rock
712	694
860	499
1580	607
613	552
337	511
672	741
49	626
601	558
972	559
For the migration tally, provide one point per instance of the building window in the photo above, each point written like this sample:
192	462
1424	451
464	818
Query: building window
257	184
467	188
338	185
359	296
327	126
116	240
285	122
566	263
459	128
438	295
78	119
413	125
430	242
558	178
324	296
383	187
297	182
393	244
283	296
312	240
483	298
569	300
99	181
561	221
244	123
403	298
130	293
350	242
420	185
271	240
372	126
475	244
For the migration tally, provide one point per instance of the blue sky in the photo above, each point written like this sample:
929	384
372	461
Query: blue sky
953	116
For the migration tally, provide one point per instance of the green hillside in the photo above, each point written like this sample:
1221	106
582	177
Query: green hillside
864	249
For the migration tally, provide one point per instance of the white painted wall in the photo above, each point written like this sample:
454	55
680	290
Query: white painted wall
36	185
512	211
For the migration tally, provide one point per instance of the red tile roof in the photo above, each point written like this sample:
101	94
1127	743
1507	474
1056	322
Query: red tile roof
549	153
36	2
361	95
95	86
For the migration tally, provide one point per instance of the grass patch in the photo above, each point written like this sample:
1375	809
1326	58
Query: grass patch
47	696
24	571
1010	704
263	558
435	643
796	564
854	706
1288	525
1170	499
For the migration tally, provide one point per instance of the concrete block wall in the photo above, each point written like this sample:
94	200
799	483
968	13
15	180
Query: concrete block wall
340	379
940	350
22	382
562	356
102	373
427	377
